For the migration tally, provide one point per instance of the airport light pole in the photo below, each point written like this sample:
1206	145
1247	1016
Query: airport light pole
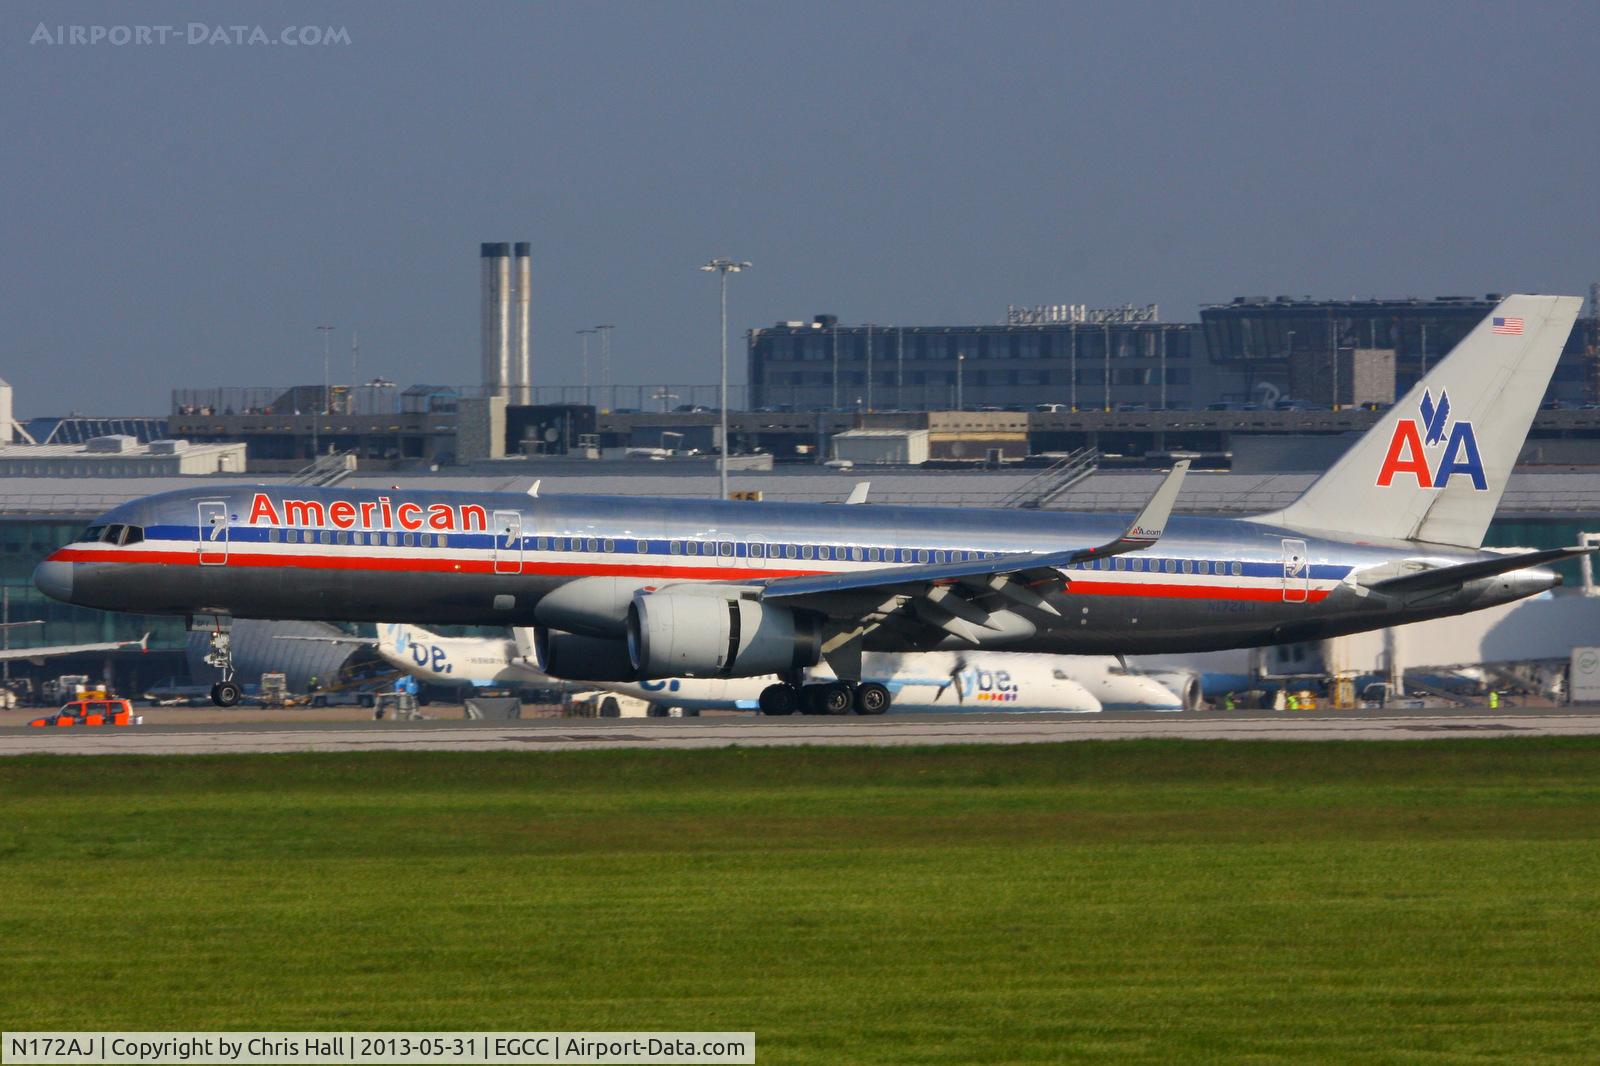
605	361
724	266
961	365
583	335
316	444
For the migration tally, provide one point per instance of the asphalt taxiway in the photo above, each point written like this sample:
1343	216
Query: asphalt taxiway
568	734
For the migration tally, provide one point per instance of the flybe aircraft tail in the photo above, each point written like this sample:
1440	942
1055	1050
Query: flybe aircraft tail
1434	467
398	637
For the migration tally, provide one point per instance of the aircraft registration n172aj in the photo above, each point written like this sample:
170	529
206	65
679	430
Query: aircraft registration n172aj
639	589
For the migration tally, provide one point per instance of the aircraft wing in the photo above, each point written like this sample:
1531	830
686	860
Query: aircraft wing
961	598
1446	577
18	654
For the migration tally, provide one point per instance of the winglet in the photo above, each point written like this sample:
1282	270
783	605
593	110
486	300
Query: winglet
859	493
533	490
1151	522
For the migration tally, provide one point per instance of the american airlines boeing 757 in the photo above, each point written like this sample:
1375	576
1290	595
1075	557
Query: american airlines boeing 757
640	589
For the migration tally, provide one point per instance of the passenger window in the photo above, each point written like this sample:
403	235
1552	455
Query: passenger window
922	555
1188	567
409	539
273	535
342	537
824	552
872	555
789	550
805	551
1238	569
327	536
855	554
725	549
675	547
1171	566
611	545
757	550
393	540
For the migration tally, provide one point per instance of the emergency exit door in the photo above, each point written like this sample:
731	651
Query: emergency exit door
1296	572
507	542
213	530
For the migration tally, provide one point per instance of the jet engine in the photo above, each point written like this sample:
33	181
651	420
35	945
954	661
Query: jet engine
573	657
718	635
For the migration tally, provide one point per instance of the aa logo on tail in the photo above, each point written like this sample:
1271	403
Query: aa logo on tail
1414	440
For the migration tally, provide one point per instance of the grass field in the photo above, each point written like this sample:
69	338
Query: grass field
1132	901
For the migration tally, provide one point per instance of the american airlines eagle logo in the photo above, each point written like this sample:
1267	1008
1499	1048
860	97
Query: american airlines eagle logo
1432	449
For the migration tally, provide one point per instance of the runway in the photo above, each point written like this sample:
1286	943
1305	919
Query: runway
891	731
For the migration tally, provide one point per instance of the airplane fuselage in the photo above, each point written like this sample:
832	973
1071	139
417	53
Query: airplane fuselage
341	554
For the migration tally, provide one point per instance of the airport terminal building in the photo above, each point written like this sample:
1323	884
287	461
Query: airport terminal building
1125	359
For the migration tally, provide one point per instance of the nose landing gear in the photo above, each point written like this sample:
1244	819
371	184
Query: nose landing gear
224	693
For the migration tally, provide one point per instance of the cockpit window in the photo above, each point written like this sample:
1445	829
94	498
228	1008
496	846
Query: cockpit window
92	533
113	534
134	535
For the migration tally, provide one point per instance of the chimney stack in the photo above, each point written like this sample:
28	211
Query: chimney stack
496	258
521	356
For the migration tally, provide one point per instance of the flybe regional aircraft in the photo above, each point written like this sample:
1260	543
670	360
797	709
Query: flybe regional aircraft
926	681
642	589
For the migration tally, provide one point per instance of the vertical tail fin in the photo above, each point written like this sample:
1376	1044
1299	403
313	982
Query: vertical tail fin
1435	466
397	637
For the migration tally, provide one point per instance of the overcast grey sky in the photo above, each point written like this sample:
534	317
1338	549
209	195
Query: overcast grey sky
185	214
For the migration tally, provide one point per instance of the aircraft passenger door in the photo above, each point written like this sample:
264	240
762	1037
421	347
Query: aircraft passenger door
1296	572
213	525
508	542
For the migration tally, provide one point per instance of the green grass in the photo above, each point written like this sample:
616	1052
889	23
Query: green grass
1132	902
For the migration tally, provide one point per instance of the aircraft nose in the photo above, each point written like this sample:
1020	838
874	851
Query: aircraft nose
54	578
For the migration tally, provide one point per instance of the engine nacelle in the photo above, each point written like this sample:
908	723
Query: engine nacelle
591	606
697	635
572	657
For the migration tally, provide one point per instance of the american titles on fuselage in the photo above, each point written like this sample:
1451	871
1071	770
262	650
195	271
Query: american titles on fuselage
381	513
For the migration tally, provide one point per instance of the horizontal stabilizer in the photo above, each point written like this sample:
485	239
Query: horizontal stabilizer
1445	577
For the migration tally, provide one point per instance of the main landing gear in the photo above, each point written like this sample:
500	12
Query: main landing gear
832	697
224	693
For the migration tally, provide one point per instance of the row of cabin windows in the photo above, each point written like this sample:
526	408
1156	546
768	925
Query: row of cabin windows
342	536
723	549
1138	564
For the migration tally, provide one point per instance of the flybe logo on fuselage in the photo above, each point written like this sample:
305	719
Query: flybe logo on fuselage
1409	448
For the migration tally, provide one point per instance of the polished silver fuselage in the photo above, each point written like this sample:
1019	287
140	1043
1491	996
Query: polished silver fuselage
487	559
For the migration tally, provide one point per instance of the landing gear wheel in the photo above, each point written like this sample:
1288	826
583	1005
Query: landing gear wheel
780	699
832	698
872	698
220	655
